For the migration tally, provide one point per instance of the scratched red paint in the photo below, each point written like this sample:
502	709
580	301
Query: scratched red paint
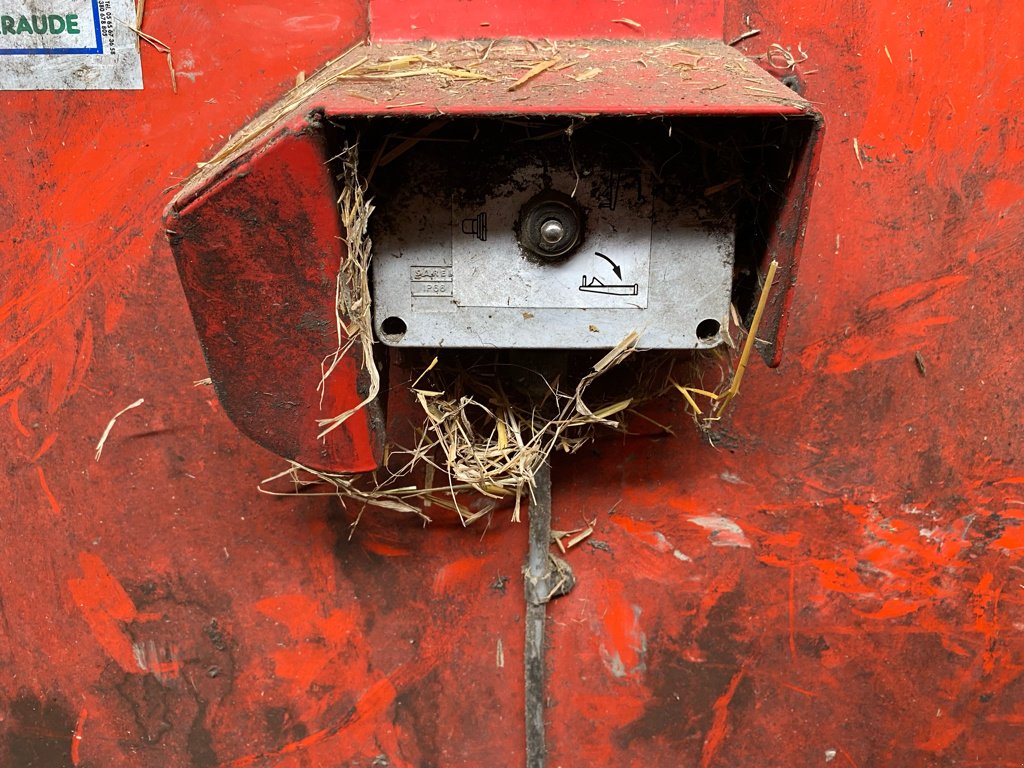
319	640
107	609
876	614
76	737
458	575
50	498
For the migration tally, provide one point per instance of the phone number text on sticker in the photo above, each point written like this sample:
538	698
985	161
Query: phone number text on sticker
68	45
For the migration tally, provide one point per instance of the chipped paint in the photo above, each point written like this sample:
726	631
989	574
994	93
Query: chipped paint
724	532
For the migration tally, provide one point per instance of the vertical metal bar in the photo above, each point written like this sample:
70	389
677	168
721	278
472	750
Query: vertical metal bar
537	573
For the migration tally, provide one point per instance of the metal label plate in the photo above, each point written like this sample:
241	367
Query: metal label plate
449	265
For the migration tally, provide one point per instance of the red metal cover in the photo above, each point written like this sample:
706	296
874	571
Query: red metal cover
258	251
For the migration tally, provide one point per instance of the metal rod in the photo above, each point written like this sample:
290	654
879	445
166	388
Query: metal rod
537	573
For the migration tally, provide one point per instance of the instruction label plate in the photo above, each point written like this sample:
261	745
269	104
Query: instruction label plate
449	269
68	45
612	270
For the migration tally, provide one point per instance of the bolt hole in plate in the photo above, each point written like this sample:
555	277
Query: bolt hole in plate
708	330
393	328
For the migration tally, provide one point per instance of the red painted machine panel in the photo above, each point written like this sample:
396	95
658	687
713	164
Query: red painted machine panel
835	581
579	19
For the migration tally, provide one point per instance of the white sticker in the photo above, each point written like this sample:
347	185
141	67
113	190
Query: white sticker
62	45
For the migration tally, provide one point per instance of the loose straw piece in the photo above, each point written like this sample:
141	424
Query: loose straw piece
110	426
721	401
748	346
534	71
587	74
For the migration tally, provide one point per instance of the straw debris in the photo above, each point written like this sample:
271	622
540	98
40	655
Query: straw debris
110	426
485	428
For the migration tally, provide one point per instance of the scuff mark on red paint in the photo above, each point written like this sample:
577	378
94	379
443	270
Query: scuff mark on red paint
625	652
160	661
944	733
107	608
791	600
62	364
840	575
720	722
1012	538
50	498
383	549
15	417
801	691
46	445
357	727
893	609
724	532
881	345
722	584
915	292
644	532
458	574
82	360
316	639
322	561
76	737
985	607
52	307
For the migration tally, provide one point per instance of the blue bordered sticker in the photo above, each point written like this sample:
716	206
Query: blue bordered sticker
68	45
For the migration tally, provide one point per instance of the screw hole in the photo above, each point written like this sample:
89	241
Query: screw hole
707	330
794	84
393	328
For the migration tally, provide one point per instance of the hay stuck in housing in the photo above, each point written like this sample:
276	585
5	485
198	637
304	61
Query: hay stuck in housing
487	428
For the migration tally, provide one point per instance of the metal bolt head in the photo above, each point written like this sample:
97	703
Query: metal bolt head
550	226
552	231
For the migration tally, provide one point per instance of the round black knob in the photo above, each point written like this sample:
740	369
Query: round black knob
550	226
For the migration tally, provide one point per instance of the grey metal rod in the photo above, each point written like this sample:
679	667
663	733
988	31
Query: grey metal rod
537	573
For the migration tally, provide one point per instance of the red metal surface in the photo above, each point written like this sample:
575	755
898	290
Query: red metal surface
596	19
852	595
258	252
646	78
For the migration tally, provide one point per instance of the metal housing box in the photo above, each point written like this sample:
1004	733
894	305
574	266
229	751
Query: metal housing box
655	255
